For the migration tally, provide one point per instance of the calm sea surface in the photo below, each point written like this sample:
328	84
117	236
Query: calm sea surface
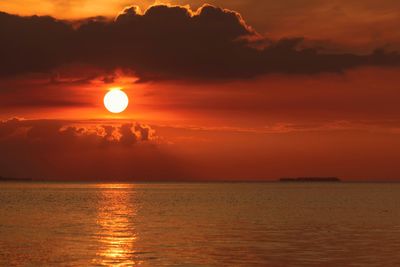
265	224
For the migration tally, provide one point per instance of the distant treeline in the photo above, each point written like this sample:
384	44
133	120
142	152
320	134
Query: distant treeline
310	179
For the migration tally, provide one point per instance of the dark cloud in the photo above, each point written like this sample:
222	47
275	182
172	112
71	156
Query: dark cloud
55	149
166	42
55	132
32	44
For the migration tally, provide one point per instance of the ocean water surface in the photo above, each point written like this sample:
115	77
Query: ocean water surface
209	224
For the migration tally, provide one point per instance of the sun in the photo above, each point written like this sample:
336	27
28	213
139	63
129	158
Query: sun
116	100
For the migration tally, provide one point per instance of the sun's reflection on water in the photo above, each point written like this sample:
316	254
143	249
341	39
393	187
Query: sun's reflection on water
116	211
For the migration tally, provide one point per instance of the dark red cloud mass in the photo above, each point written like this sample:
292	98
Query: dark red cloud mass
47	149
165	42
54	132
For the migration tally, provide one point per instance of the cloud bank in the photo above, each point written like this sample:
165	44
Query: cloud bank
63	133
56	149
165	42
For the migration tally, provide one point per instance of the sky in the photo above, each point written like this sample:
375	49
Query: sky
218	90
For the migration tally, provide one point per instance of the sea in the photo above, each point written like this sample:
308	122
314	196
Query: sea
199	224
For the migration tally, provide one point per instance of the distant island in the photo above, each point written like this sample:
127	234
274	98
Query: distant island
310	179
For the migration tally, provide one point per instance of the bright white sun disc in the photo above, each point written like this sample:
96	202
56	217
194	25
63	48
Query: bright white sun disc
116	100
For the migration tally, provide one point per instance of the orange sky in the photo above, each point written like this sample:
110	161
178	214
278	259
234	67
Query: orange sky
211	123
